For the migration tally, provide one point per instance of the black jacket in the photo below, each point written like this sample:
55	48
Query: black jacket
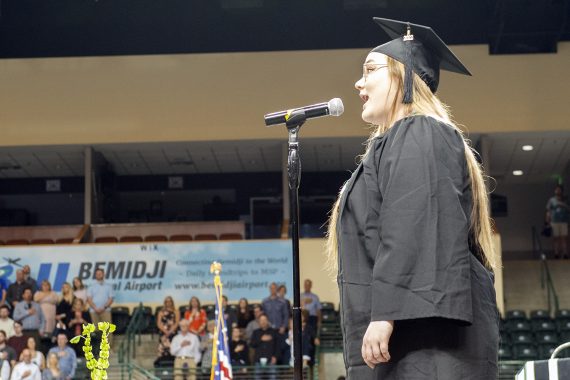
404	256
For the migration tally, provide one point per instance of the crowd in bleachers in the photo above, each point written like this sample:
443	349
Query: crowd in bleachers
36	324
259	335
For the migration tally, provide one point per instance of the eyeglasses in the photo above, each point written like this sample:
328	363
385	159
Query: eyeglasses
369	68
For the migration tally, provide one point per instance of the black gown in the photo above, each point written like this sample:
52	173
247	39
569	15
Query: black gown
404	256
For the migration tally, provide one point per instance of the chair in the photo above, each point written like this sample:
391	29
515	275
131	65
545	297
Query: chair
121	318
181	238
131	239
182	309
505	337
106	239
41	241
539	315
64	241
17	242
150	321
525	352
522	338
563	313
515	315
329	316
155	238
505	352
205	237
327	306
231	237
543	325
563	324
545	350
517	325
547	337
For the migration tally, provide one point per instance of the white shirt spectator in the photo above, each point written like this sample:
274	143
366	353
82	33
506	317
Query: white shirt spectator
5	370
21	368
186	345
8	326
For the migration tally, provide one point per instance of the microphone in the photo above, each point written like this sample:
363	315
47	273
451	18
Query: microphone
334	107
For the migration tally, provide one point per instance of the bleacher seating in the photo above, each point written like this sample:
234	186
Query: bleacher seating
181	238
64	241
120	316
131	239
205	237
41	241
231	237
17	242
106	239
155	238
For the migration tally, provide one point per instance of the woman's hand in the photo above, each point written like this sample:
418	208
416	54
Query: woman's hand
375	342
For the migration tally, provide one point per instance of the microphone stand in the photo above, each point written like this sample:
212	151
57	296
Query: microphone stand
294	122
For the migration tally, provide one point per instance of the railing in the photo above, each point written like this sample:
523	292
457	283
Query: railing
508	369
545	277
137	324
270	372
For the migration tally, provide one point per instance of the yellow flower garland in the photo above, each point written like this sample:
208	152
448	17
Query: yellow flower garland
98	367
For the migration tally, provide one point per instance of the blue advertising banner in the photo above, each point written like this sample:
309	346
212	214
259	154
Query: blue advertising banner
149	272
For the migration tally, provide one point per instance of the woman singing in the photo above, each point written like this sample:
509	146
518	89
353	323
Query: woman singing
411	233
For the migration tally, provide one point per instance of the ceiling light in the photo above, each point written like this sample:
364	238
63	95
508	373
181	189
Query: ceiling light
517	172
527	148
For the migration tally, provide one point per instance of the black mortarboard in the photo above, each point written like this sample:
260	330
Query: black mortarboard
421	50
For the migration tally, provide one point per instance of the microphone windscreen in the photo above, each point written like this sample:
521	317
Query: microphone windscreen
336	108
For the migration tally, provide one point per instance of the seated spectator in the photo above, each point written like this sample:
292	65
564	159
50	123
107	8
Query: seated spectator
4	369
308	341
18	341
30	315
7	353
265	342
238	349
276	310
164	358
207	345
63	311
185	347
47	299
52	372
29	279
66	357
6	323
79	317
244	314
16	289
26	369
196	316
79	290
254	324
37	356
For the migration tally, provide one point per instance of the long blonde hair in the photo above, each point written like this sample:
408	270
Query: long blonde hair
426	103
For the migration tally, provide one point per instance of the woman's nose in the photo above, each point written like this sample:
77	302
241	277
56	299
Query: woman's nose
359	85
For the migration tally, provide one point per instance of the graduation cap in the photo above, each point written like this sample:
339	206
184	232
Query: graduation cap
421	50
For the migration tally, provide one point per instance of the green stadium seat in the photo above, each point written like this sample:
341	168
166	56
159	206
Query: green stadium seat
515	314
505	352
522	337
547	337
525	352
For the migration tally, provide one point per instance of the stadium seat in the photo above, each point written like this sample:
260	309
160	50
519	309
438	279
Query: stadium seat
543	325
121	318
155	238
525	352
563	314
505	352
515	315
182	309
150	321
17	242
547	337
181	238
64	241
539	315
41	241
327	306
518	325
231	237
205	237
505	337
521	338
106	239
563	324
131	239
546	350
329	316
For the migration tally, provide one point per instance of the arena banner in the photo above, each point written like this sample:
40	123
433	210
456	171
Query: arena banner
148	272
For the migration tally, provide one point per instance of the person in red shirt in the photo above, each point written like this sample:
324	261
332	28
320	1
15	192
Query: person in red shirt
196	316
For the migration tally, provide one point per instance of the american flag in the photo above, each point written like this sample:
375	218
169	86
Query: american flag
221	363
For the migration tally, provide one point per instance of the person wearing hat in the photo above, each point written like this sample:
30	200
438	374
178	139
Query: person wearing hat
410	234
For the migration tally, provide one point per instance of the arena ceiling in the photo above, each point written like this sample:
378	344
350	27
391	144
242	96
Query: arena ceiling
58	28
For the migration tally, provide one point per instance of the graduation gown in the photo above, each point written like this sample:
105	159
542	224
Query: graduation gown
404	256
